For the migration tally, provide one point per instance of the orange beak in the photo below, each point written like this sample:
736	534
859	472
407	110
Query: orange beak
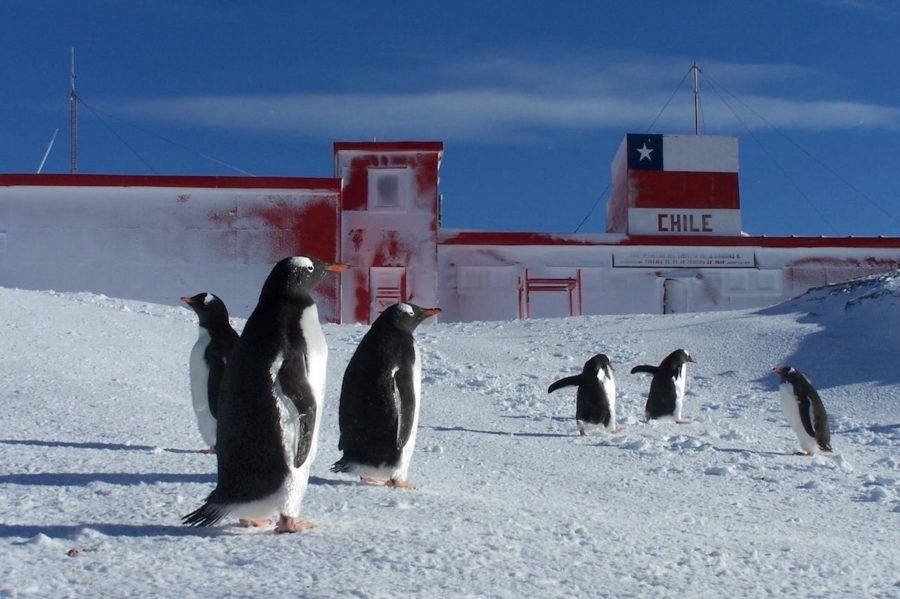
337	267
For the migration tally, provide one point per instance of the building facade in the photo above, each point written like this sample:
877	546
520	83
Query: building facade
673	241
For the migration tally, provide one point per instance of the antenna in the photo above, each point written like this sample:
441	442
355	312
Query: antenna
695	70
47	151
73	121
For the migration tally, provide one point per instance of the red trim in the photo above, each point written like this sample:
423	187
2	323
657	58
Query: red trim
550	239
66	180
516	238
389	146
683	190
767	242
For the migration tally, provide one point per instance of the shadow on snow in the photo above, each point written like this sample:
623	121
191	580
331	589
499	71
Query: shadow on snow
73	479
93	445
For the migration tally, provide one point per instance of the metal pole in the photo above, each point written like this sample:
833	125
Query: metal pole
73	122
696	72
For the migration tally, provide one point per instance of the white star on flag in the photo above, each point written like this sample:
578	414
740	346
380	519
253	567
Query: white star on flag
644	151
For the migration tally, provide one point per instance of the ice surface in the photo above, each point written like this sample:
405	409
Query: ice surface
101	457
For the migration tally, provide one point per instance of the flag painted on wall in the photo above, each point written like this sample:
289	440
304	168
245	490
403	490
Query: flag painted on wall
675	185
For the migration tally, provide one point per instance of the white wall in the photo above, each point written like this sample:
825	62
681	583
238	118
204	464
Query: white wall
481	282
152	244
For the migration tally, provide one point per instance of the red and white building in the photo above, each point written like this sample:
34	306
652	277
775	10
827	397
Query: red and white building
673	242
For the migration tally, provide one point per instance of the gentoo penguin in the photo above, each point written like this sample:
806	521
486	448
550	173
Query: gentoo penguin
804	410
208	357
270	403
379	407
595	402
666	396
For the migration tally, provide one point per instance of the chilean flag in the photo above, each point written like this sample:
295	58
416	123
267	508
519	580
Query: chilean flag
675	184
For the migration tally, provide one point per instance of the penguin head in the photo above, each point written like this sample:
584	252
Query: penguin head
789	374
599	362
297	275
405	316
680	356
209	308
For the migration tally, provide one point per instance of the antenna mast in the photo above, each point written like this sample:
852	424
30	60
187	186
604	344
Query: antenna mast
73	122
696	72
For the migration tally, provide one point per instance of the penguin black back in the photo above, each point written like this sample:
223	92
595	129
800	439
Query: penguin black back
666	394
213	316
269	360
595	399
810	409
379	393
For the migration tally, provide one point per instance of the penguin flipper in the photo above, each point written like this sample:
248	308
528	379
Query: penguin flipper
820	423
645	368
405	395
568	381
297	390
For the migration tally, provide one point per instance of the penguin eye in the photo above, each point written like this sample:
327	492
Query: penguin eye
309	268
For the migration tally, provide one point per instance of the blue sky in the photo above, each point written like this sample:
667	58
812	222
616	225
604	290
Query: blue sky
531	99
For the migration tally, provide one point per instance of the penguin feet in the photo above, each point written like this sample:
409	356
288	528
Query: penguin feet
289	524
399	484
582	432
247	523
617	430
393	483
680	421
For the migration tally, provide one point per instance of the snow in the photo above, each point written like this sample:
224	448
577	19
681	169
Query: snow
101	457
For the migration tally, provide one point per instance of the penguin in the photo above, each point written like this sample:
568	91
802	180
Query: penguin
380	396
208	358
270	404
666	396
804	410
595	403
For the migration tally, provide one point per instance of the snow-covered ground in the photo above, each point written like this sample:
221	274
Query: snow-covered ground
99	459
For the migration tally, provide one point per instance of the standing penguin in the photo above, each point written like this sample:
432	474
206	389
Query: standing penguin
380	395
208	358
595	402
666	396
804	410
270	403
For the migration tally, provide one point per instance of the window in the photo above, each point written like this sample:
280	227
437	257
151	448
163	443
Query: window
388	188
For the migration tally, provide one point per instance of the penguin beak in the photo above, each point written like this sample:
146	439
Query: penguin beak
431	311
187	301
337	267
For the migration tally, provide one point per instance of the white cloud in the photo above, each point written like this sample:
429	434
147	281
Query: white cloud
507	99
872	6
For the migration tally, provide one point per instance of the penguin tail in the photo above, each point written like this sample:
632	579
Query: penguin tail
206	515
342	465
644	368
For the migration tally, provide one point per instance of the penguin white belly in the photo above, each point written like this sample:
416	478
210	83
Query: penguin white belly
791	408
199	370
317	362
680	384
402	468
609	387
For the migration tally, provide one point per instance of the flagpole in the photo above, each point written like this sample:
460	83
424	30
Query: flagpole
696	71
